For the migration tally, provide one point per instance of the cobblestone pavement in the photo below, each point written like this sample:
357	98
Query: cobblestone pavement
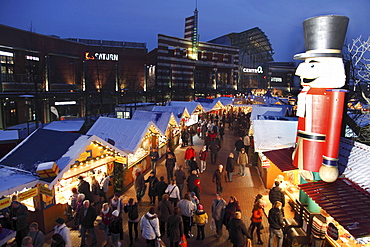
243	188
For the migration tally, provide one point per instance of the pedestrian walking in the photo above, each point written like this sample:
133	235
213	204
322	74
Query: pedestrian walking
170	165
165	210
115	228
276	222
187	209
161	187
87	218
218	213
62	230
95	190
257	214
76	215
131	208
217	178
149	225
173	193
191	180
203	154
116	202
277	194
214	147
185	137
230	166
242	161
238	231
200	219
231	208
193	165
222	132
104	186
175	228
106	216
57	241
239	144
152	191
140	186
189	154
154	156
180	178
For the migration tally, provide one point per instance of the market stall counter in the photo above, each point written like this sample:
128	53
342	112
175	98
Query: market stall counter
6	235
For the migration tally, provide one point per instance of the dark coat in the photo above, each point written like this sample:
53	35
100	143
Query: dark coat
154	156
230	210
165	210
239	144
87	220
180	176
191	180
160	188
170	164
115	225
21	212
152	191
215	145
84	188
132	210
139	182
230	164
219	176
193	166
237	231
174	228
275	218
276	194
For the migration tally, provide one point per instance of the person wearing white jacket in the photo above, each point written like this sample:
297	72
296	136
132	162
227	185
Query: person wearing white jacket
173	193
149	225
63	230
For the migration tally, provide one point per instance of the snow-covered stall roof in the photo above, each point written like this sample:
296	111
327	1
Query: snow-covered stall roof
161	119
274	134
210	104
13	180
8	135
191	106
273	111
126	133
178	112
65	125
39	147
225	101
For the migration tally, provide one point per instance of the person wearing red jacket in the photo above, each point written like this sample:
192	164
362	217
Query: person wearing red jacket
189	153
256	218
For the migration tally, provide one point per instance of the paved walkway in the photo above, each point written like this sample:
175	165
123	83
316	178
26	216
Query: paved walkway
243	188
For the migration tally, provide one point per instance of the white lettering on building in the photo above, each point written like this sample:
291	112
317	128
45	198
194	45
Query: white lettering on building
276	79
258	70
101	56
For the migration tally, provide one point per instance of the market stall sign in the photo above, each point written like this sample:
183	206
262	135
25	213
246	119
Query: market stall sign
332	231
122	160
4	203
85	155
27	194
46	191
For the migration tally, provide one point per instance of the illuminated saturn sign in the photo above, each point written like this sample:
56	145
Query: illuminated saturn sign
101	56
258	70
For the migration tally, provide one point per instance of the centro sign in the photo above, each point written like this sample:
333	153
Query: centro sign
258	70
101	56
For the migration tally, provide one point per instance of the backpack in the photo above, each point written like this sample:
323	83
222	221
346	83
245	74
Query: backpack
132	212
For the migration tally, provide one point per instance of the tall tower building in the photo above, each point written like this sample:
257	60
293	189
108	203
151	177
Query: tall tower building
191	32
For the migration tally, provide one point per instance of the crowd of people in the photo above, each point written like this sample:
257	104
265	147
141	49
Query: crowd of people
175	199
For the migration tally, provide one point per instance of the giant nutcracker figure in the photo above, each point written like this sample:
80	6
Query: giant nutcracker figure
321	101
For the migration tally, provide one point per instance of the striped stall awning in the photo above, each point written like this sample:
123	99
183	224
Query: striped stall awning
345	201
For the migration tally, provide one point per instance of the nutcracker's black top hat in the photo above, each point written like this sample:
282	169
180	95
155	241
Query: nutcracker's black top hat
324	36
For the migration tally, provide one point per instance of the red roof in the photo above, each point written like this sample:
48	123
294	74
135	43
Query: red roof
345	201
282	158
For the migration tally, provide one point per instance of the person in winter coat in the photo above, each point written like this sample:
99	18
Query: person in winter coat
190	180
231	208
242	161
203	154
152	193
18	214
230	166
173	193
115	227
194	198
57	241
37	236
149	225
187	209
193	165
95	189
277	194
238	231
170	165
83	187
217	178
185	137
214	146
197	189
239	144
180	178
131	208
104	186
276	222
221	131
80	201
174	228
189	153
116	202
139	185
207	140
62	229
218	212
106	215
256	218
161	187
200	219
87	218
154	156
165	209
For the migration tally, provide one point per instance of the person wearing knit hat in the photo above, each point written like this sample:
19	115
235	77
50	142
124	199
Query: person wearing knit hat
200	219
62	230
194	198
